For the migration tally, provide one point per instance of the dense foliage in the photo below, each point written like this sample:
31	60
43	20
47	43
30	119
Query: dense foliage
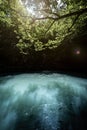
39	24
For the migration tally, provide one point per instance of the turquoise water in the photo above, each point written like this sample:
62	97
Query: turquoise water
43	102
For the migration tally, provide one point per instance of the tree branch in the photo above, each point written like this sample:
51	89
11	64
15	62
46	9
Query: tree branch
74	21
49	27
79	12
56	16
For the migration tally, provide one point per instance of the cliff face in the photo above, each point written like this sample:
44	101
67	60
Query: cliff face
69	56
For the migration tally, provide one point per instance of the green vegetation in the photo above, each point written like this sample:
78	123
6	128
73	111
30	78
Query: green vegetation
46	25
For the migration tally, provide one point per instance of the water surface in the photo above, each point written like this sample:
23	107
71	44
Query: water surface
43	102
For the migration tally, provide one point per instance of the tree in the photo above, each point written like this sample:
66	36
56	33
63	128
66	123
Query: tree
41	24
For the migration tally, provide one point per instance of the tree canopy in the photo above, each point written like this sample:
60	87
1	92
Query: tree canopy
39	24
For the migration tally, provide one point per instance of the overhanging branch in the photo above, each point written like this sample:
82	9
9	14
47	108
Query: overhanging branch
74	21
55	17
79	12
49	27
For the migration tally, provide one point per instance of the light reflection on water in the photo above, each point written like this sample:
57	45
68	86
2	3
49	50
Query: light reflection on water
43	102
